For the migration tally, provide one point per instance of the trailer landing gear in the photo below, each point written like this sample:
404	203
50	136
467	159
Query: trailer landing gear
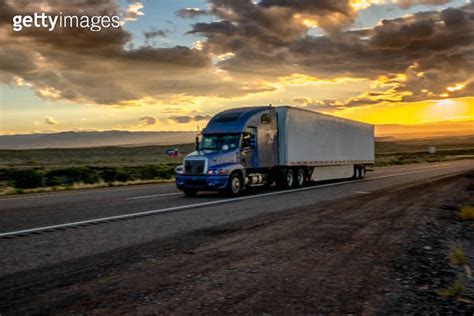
359	172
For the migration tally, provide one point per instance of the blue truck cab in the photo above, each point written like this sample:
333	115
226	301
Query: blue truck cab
237	149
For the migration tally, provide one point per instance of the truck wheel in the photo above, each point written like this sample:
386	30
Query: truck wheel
289	180
300	178
190	192
235	185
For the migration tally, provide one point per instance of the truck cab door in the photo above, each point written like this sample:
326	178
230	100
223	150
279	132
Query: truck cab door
249	153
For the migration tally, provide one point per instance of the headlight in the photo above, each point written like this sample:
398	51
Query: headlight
218	171
179	169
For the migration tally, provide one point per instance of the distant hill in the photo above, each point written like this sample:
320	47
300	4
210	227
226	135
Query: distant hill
458	132
94	139
425	131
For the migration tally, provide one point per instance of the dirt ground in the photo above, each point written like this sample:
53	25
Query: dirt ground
379	253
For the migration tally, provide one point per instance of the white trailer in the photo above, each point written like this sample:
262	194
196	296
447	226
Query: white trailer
328	147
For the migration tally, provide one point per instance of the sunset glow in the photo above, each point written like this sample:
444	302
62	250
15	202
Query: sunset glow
172	65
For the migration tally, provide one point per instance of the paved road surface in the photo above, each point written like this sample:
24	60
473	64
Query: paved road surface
173	213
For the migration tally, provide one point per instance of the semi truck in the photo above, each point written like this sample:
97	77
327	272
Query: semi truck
284	146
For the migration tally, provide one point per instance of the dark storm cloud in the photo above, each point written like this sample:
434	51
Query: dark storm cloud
272	22
268	39
440	44
84	66
399	34
316	7
453	17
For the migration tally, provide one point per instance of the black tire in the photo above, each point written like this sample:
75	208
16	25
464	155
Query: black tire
300	178
235	185
190	192
289	179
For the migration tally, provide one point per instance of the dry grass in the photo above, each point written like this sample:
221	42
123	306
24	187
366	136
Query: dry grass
455	291
79	186
457	256
466	213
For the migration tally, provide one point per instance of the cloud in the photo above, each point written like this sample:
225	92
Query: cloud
148	120
50	121
133	11
96	67
202	117
331	104
406	4
436	45
183	119
191	12
424	53
153	34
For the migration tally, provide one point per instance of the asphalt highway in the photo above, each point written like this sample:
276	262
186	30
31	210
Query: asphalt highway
44	229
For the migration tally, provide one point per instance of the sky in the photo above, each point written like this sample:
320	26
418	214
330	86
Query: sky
173	64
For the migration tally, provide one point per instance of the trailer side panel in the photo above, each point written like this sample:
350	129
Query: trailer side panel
315	139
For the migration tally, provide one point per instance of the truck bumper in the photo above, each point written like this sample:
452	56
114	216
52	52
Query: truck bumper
201	183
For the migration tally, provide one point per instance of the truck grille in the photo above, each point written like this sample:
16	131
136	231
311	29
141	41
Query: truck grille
194	166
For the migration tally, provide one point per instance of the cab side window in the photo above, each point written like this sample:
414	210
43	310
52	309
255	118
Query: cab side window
248	141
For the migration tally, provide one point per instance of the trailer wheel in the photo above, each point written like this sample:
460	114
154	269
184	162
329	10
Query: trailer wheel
300	178
289	179
190	193
235	185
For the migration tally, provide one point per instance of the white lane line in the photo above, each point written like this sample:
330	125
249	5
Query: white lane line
211	203
361	192
153	195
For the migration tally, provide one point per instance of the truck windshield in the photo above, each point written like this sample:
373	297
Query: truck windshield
220	142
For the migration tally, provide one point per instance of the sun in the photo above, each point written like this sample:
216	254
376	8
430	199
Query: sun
445	103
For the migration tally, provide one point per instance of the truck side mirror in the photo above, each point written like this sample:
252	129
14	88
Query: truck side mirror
248	141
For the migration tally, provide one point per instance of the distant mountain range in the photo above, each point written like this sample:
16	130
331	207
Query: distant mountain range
94	139
426	130
392	132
